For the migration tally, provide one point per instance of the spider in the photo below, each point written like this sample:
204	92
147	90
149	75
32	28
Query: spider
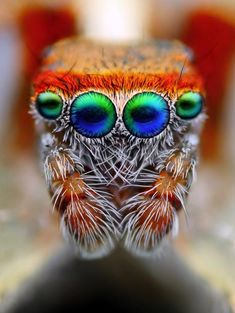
119	128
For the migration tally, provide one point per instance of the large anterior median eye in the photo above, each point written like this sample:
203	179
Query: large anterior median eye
93	114
49	105
189	105
146	114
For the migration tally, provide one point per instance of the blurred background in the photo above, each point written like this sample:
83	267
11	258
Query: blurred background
29	233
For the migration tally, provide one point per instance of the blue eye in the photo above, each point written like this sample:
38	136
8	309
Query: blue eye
93	114
146	115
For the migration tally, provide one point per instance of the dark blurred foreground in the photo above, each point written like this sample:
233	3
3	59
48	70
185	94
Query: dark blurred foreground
118	283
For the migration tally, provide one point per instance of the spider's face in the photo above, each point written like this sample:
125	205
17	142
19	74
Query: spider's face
119	139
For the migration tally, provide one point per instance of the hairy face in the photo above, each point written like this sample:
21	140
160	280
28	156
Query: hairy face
119	129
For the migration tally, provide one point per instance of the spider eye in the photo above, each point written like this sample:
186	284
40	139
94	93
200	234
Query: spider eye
146	115
93	114
49	105
189	105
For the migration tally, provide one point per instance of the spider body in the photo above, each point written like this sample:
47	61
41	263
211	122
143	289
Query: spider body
119	127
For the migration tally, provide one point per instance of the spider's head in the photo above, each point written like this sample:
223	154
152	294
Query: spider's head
113	121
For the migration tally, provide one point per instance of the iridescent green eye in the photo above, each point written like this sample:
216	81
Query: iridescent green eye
93	114
49	105
146	114
189	105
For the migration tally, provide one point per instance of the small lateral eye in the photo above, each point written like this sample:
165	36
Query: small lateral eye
49	105
189	105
